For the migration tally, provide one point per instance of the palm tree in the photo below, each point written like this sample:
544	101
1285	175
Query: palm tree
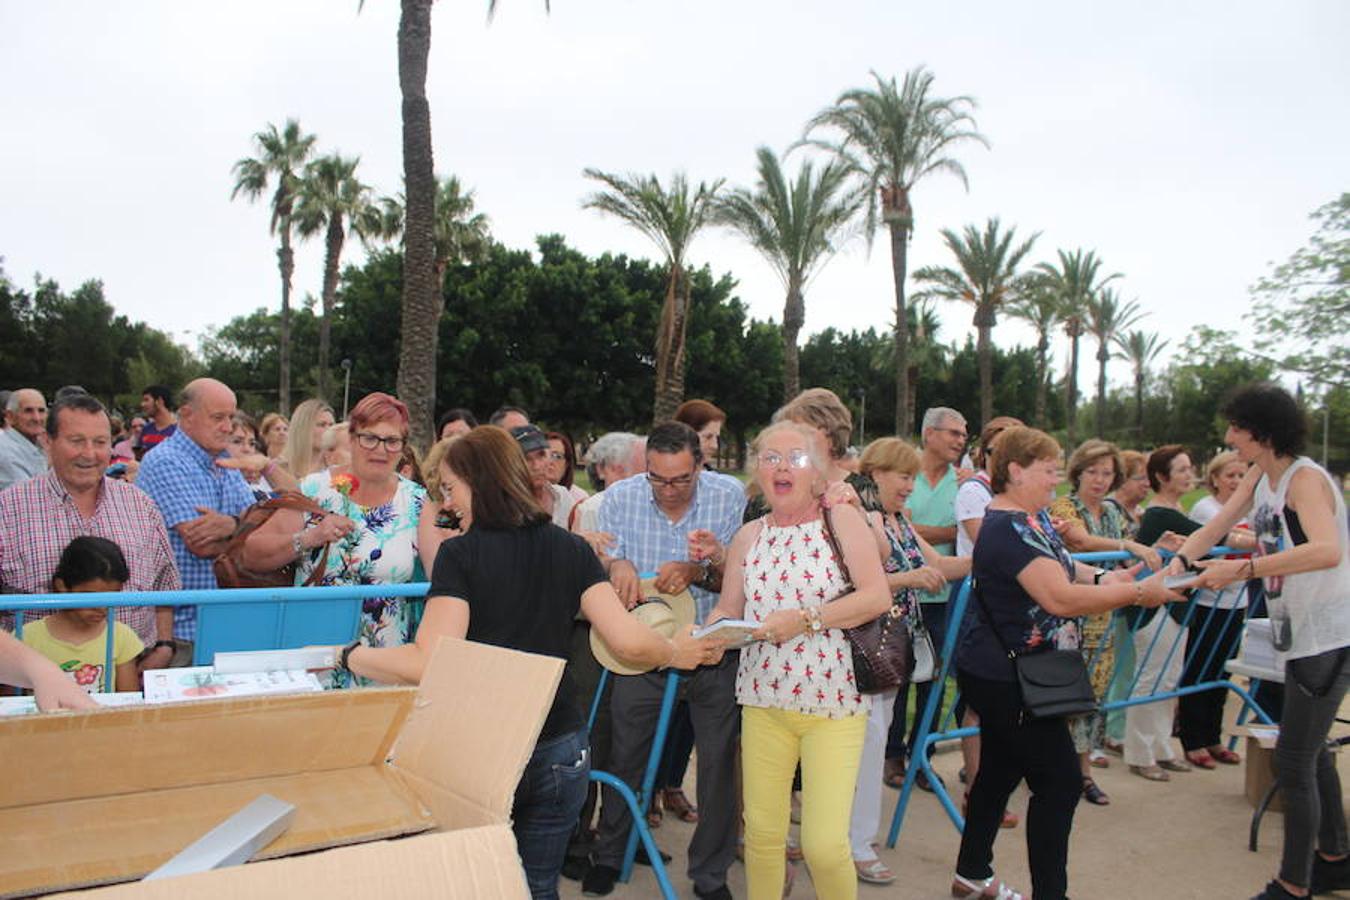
1074	282
670	219
796	228
1141	349
925	351
461	234
281	155
889	138
1107	319
985	277
1038	306
331	199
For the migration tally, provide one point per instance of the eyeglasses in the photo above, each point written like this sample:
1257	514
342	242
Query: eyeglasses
954	432
796	459
683	481
370	441
556	456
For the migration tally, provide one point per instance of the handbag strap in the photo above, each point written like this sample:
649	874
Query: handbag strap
258	515
827	523
989	618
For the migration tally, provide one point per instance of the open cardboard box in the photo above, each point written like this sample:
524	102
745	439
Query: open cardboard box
106	796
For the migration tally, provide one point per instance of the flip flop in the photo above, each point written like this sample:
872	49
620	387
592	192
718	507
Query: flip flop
1225	756
1200	759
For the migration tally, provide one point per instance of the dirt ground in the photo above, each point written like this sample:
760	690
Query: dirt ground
1183	839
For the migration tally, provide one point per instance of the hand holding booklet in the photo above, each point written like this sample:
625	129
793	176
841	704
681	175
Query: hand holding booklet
733	632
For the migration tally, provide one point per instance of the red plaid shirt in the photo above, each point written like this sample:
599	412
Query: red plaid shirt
38	519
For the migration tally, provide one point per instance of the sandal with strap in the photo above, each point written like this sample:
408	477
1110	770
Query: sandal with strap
1200	759
678	805
874	871
654	811
983	889
1094	794
1225	756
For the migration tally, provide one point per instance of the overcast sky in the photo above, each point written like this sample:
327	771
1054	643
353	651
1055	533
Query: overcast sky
1186	143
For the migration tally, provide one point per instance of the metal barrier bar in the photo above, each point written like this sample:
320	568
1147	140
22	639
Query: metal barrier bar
638	814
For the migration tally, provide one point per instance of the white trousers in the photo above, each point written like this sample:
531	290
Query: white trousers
866	818
1148	726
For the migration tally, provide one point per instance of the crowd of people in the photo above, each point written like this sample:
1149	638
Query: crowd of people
818	539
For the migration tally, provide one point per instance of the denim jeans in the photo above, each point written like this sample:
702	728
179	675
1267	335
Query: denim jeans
547	803
1313	690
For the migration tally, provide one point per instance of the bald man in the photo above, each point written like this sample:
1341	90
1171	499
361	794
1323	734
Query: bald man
199	500
22	454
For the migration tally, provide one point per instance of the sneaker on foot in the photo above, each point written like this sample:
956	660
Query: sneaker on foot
1329	876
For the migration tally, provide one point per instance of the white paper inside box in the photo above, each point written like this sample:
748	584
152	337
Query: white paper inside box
106	796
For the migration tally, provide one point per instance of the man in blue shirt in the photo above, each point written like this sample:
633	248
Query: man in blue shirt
653	519
199	500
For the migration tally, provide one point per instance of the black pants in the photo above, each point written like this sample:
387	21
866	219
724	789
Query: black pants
1040	751
1213	639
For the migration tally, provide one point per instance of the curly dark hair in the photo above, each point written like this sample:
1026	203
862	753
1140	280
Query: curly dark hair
1271	415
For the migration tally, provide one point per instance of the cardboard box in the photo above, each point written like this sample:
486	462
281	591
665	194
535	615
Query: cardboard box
109	795
1259	765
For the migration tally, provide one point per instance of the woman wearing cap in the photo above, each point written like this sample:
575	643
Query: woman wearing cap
516	580
795	685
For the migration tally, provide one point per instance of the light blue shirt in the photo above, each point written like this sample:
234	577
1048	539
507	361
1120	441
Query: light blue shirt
20	458
935	505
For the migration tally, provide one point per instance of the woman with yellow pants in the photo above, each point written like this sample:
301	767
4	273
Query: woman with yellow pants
795	684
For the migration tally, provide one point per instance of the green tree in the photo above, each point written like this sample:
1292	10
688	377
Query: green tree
280	157
671	219
1141	348
1038	306
462	234
332	200
986	277
1107	319
890	137
796	227
1209	365
1073	282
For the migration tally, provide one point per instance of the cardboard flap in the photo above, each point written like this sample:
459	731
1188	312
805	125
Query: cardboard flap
143	748
474	744
474	864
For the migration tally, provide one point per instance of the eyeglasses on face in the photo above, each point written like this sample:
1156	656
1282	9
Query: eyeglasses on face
556	455
682	481
954	432
369	441
796	459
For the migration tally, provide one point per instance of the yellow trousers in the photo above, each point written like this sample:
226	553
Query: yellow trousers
772	742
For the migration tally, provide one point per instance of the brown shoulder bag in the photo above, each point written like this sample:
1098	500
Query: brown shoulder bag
231	572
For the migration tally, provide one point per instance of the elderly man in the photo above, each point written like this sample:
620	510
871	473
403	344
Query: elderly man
509	417
612	458
199	500
39	517
556	500
21	452
654	521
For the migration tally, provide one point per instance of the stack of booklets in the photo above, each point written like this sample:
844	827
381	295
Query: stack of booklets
1258	647
206	683
733	632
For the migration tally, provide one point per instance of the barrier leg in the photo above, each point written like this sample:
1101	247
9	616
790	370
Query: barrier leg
640	830
644	799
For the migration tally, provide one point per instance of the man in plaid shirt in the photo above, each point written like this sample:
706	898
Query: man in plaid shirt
653	519
40	516
199	501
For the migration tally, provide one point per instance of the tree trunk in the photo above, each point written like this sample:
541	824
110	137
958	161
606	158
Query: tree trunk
422	300
1139	406
984	352
334	240
1102	357
670	347
1042	385
286	261
1071	391
904	420
794	317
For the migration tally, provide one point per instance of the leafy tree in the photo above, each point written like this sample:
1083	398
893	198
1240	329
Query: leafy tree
1038	306
1141	349
330	199
891	137
1302	308
671	219
1073	282
857	366
1209	365
1107	319
986	277
796	228
1014	381
280	157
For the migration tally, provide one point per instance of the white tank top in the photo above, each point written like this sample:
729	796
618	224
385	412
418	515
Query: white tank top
1311	610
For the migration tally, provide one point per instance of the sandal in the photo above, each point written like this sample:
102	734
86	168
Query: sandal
894	774
874	871
1094	794
678	805
654	811
1152	773
1225	756
1175	765
794	850
1099	760
984	889
1200	759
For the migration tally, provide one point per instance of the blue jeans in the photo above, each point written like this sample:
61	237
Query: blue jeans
547	803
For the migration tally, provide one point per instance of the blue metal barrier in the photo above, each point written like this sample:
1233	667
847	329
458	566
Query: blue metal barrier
931	731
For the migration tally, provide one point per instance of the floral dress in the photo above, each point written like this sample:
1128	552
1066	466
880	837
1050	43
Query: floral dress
906	555
382	549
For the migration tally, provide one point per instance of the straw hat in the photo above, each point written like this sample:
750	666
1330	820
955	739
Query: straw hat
664	613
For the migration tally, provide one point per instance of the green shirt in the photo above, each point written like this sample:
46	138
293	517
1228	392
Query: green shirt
935	505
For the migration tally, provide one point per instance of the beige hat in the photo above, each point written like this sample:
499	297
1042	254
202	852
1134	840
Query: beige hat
664	613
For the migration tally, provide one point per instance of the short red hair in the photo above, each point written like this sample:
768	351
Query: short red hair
378	407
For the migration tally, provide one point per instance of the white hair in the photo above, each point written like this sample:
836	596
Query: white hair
935	416
612	449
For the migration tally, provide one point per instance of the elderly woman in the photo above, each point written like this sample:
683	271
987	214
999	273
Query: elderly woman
273	429
1092	523
1303	554
370	533
304	437
335	447
795	684
516	580
707	420
1029	593
911	566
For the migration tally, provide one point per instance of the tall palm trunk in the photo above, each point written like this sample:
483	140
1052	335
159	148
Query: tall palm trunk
794	317
1139	406
286	262
422	300
1071	387
670	347
334	239
899	257
984	352
1042	382
1102	357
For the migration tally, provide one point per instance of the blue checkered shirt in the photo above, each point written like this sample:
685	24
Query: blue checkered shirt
646	537
180	476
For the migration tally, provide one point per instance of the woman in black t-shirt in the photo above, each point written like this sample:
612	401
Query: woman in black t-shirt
515	580
1029	594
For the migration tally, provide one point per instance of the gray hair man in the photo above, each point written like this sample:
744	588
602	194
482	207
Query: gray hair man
23	453
612	458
